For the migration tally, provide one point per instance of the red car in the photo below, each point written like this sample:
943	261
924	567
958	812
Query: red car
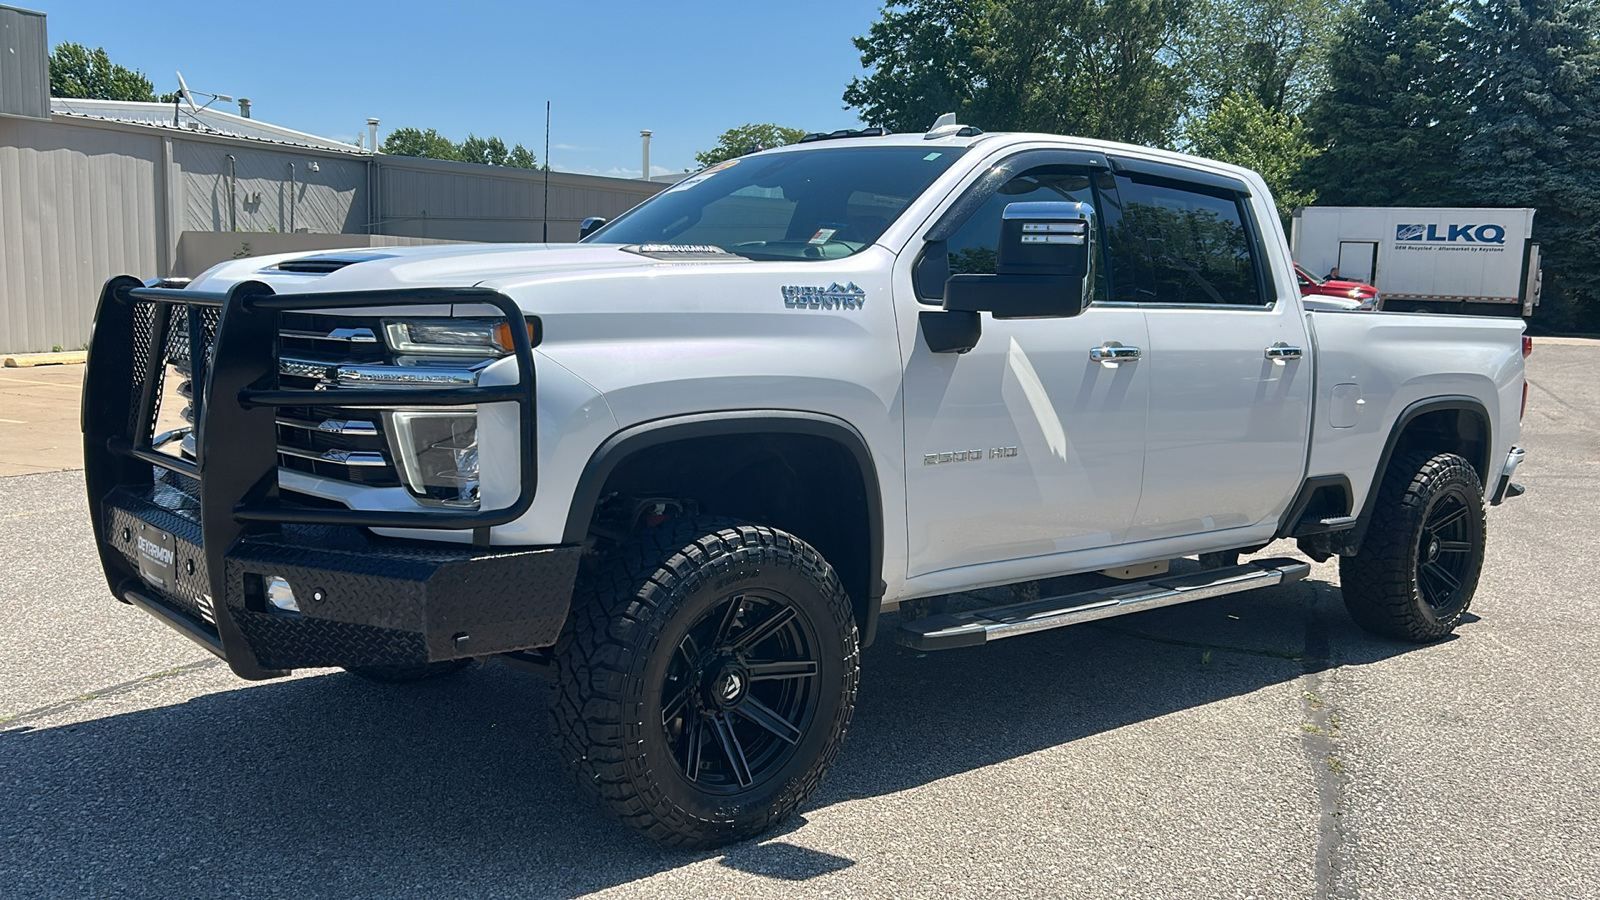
1350	294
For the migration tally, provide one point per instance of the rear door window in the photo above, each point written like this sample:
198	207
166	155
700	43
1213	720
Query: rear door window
1183	244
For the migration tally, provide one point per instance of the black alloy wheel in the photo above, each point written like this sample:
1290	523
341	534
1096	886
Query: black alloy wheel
741	690
1447	548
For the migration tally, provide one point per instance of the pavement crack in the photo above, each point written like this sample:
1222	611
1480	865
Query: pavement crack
1319	736
1269	652
8	721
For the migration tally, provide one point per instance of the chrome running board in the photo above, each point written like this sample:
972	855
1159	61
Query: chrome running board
969	629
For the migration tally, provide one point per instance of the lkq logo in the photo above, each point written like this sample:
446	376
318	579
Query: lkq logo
1452	234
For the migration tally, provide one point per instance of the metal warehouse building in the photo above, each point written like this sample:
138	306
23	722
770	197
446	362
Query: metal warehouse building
93	188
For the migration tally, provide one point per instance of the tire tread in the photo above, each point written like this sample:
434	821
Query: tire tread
618	612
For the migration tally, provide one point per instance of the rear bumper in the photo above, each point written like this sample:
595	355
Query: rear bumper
363	601
1503	486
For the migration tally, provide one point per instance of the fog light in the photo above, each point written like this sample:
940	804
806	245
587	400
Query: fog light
280	595
438	454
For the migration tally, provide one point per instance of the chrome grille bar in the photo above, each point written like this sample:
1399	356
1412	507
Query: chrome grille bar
332	426
339	457
343	335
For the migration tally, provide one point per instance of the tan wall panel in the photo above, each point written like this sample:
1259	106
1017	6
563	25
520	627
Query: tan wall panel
77	206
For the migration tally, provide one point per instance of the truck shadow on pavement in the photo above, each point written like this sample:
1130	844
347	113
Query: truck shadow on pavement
331	786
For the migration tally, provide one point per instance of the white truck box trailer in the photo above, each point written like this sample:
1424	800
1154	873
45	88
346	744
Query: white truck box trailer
1475	261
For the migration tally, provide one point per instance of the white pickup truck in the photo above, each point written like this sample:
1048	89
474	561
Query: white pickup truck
683	466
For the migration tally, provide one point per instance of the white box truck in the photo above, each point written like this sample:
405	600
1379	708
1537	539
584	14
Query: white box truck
1473	261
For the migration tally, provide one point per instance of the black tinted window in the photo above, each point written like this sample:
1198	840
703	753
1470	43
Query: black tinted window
1171	244
974	247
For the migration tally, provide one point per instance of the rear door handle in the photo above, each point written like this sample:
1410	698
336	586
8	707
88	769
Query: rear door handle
1113	352
1281	353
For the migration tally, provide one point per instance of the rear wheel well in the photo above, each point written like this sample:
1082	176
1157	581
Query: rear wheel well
1464	432
1429	429
809	485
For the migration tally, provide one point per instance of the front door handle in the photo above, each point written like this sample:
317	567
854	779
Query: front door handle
1112	352
1280	353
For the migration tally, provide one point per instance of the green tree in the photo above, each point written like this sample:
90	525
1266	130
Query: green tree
489	151
426	143
76	71
430	144
521	157
922	57
1532	68
1098	68
1242	130
1272	50
1390	123
737	142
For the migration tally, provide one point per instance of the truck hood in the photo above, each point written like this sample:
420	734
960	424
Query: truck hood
1345	287
451	265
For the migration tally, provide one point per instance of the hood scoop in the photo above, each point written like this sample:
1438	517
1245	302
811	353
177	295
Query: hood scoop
324	264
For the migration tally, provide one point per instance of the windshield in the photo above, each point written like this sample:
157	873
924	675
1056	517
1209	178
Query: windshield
825	203
1307	275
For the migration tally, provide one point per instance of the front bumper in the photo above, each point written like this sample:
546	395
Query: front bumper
363	601
197	540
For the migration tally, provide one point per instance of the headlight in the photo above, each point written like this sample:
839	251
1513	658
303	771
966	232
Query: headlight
449	337
437	452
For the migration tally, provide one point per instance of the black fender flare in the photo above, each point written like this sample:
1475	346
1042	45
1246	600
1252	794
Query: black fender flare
642	436
1352	539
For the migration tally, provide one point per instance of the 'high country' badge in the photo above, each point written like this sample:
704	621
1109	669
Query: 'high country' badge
831	297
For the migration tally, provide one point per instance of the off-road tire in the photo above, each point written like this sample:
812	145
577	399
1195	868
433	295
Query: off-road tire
409	674
1383	585
633	618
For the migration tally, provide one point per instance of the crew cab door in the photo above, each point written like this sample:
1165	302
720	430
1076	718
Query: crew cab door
1227	357
1024	446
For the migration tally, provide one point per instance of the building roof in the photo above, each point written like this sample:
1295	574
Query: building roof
205	121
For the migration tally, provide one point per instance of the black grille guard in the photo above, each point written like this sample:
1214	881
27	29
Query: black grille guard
236	393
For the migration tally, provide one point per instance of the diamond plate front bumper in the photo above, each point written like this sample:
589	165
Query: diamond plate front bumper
363	601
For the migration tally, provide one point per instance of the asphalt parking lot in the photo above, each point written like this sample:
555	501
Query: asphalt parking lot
1253	746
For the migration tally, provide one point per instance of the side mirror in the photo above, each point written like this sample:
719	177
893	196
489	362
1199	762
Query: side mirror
590	226
1042	268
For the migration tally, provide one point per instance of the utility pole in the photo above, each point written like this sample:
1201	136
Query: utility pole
547	171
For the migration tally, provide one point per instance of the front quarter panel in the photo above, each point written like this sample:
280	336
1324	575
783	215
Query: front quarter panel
684	339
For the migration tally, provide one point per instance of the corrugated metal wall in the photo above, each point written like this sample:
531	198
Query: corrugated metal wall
24	64
77	205
463	202
266	196
82	199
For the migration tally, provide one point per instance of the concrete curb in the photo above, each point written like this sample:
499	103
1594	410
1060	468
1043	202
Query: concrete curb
28	360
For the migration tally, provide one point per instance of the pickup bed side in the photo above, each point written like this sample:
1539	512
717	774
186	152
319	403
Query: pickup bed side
1373	369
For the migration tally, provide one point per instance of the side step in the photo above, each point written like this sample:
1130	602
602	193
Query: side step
969	629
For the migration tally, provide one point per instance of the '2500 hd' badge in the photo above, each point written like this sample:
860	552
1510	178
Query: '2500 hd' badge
831	297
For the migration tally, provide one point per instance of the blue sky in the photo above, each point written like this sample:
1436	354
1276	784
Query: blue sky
686	71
